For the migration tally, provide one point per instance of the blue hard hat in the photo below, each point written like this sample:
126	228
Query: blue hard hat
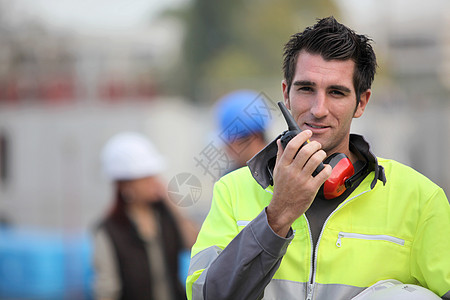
242	113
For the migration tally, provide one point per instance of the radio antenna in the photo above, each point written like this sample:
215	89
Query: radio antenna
292	125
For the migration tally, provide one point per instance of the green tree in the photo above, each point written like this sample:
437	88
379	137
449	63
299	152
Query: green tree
239	44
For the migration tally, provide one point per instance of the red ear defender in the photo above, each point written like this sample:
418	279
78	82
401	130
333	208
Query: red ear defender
342	170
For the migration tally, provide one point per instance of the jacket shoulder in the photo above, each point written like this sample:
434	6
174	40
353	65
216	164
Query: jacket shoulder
242	191
240	176
405	177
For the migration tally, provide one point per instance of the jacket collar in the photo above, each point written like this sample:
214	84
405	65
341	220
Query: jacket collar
261	165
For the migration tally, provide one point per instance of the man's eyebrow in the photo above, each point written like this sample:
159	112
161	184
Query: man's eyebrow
340	88
331	87
303	83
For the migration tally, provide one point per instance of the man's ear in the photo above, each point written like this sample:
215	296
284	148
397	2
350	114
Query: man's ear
284	88
364	99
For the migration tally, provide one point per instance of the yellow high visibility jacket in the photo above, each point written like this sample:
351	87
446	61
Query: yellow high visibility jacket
400	230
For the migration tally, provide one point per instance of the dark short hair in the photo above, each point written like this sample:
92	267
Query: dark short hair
333	40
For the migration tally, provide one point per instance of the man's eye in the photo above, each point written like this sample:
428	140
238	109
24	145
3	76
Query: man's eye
305	89
337	93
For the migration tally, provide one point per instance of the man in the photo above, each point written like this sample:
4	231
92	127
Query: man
279	238
242	121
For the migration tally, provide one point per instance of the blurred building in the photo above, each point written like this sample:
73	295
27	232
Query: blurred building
63	94
407	118
43	66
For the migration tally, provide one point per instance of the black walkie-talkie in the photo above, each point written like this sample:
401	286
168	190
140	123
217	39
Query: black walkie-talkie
292	131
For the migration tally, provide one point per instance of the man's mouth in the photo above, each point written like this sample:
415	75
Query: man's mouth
315	126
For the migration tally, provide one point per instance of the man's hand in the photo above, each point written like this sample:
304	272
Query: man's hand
294	185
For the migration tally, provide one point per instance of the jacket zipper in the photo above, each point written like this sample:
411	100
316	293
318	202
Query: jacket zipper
310	285
371	237
312	278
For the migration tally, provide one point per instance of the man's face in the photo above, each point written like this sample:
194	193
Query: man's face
322	99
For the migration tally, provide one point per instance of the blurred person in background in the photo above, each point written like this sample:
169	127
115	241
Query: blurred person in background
137	244
279	232
242	120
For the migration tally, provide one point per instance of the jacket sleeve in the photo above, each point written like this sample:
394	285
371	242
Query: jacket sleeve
431	246
106	283
228	264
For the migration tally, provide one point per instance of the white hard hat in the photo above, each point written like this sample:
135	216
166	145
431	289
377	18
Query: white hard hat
395	290
130	155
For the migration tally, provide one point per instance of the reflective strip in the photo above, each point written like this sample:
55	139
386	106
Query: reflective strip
270	192
242	223
371	237
277	288
197	287
203	259
284	289
287	289
335	291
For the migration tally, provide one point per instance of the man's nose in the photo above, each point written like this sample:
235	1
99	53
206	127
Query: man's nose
319	107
